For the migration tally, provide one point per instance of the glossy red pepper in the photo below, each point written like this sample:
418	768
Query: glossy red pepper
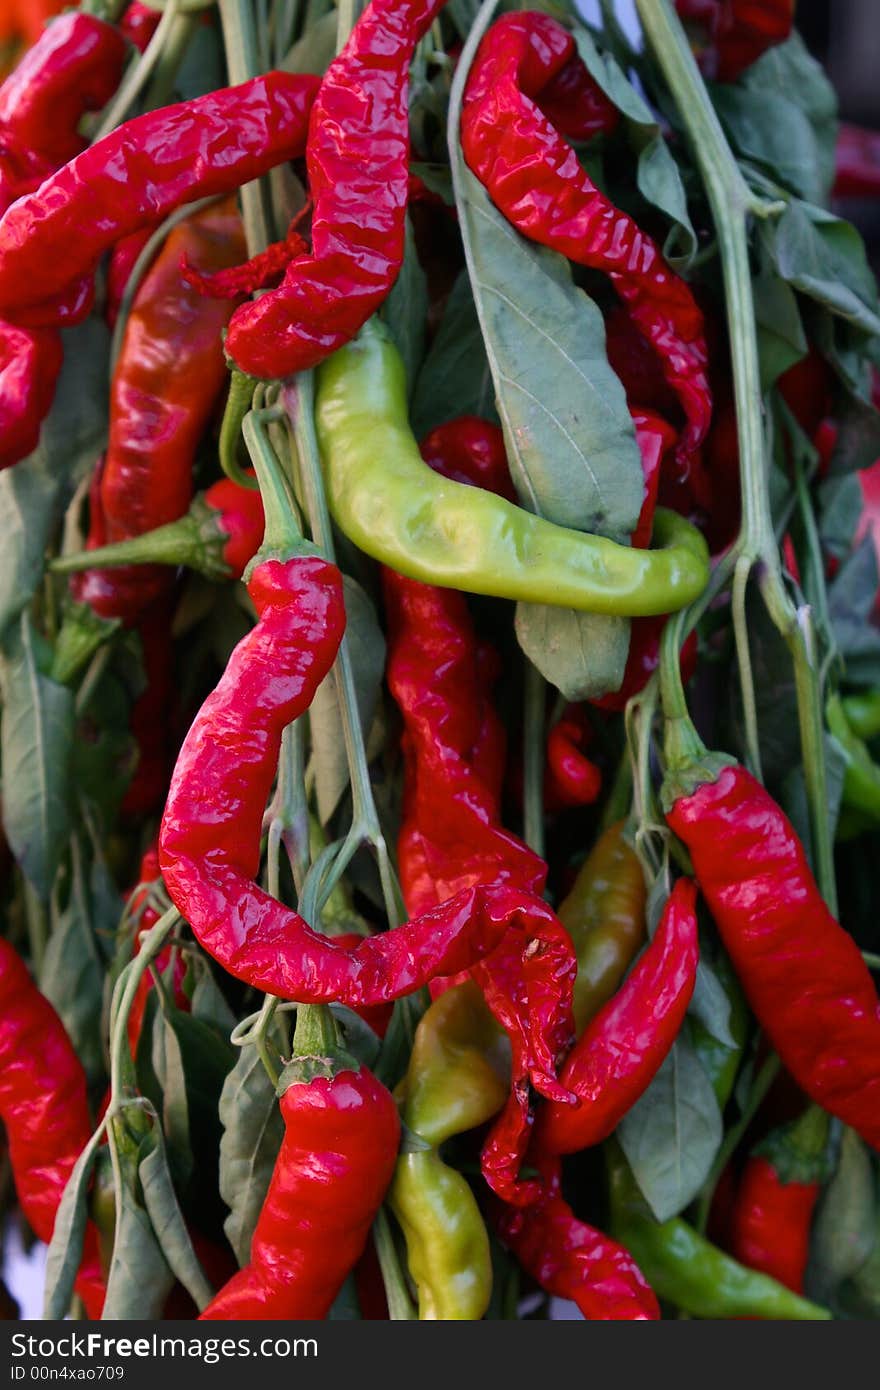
803	975
167	380
30	361
139	24
572	1260
776	1198
134	177
470	450
44	1111
341	1132
622	1048
734	33
856	162
357	161
534	178
571	779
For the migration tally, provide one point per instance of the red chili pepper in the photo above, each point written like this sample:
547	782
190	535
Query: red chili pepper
74	67
571	779
531	174
209	842
357	161
336	1162
570	1259
52	239
803	975
139	24
30	361
638	366
256	274
856	162
166	383
575	105
470	450
734	33
44	1110
776	1198
643	660
623	1047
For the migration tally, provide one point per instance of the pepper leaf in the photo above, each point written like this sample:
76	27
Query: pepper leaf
672	1133
65	1248
140	1278
167	1220
657	174
406	310
782	113
167	1060
252	1134
579	653
36	734
72	969
455	378
843	1229
824	258
366	646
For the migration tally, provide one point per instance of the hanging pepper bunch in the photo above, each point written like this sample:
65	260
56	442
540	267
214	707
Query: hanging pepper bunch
439	664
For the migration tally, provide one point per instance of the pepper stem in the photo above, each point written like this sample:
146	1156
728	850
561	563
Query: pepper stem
238	403
282	534
194	540
315	1034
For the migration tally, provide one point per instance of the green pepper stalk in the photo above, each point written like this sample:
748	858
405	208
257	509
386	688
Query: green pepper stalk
387	500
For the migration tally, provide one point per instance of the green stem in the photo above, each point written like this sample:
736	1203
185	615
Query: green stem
282	532
241	42
315	1034
123	997
238	402
731	202
139	74
37	925
168	65
400	1307
744	661
533	759
347	15
298	398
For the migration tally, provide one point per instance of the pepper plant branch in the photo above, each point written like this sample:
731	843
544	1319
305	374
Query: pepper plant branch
731	202
241	44
123	998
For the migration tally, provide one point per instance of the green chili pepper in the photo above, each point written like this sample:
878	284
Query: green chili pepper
394	507
861	778
458	1078
863	713
686	1269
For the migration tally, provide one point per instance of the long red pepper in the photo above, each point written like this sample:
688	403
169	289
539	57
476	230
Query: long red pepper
335	1164
44	1110
52	239
357	160
622	1048
570	1259
536	180
803	975
209	842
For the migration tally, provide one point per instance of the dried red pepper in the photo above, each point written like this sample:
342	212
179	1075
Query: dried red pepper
553	201
335	1164
44	1110
196	149
803	975
357	160
622	1048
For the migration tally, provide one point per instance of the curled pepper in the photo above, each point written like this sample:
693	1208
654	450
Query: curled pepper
457	1078
195	149
622	1048
387	500
803	975
357	159
535	179
341	1131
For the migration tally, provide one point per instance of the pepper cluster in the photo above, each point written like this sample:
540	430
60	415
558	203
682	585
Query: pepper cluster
418	454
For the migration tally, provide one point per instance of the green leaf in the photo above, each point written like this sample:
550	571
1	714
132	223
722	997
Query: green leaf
406	310
455	378
65	1248
252	1134
167	1220
824	258
850	603
140	1278
203	68
167	1060
579	653
672	1133
840	507
366	646
782	113
657	175
34	494
208	1002
843	1229
315	51
781	337
72	970
36	734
